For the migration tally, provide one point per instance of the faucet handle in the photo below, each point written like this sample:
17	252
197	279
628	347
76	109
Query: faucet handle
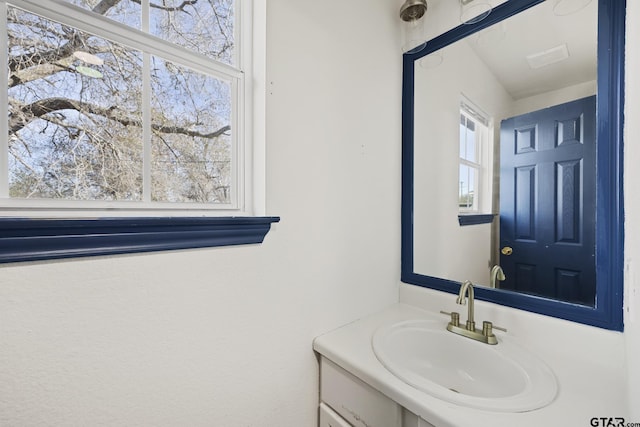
488	327
455	317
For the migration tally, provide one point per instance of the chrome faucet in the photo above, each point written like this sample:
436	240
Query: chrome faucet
495	275
469	330
467	288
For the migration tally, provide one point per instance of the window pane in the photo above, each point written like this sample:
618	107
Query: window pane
124	11
202	26
471	142
74	113
191	138
468	177
463	183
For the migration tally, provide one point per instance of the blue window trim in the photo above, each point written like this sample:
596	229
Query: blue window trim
29	239
473	219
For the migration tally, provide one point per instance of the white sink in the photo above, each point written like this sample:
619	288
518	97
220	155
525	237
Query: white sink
502	377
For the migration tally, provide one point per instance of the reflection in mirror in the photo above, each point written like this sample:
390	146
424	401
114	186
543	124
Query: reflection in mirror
498	131
501	152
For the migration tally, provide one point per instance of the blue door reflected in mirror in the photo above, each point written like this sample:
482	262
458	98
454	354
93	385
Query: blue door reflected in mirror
548	202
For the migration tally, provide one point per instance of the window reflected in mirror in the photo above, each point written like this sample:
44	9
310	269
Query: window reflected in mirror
475	156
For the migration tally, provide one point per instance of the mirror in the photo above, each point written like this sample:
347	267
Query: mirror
508	178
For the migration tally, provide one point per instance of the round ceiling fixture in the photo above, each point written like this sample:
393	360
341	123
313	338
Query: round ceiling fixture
412	10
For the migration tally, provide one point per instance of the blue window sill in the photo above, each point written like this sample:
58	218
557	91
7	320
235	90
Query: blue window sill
27	239
474	219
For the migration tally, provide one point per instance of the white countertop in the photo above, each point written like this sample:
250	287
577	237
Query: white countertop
587	388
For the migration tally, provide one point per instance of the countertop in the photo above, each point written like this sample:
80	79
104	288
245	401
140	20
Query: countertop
586	389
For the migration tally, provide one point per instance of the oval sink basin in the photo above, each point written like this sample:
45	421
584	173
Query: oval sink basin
502	377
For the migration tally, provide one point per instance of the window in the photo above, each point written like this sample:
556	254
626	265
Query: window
474	141
125	112
128	109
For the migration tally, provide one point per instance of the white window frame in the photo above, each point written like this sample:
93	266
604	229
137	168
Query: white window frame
247	77
482	184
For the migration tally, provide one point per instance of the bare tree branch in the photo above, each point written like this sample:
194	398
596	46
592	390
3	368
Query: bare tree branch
28	113
40	71
104	6
30	59
179	8
75	41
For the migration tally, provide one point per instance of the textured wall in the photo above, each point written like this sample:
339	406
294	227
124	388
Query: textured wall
222	337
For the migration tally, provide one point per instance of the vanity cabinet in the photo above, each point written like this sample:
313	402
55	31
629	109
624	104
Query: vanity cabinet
330	418
347	401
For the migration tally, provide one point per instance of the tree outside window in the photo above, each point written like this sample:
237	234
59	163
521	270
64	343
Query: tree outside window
92	119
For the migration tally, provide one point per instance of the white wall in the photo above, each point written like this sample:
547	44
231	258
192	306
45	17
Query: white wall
222	336
632	205
549	99
442	248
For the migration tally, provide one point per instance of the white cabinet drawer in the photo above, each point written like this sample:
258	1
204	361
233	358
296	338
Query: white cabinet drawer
329	418
355	401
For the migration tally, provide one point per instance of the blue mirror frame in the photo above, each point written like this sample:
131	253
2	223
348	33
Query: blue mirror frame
608	310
